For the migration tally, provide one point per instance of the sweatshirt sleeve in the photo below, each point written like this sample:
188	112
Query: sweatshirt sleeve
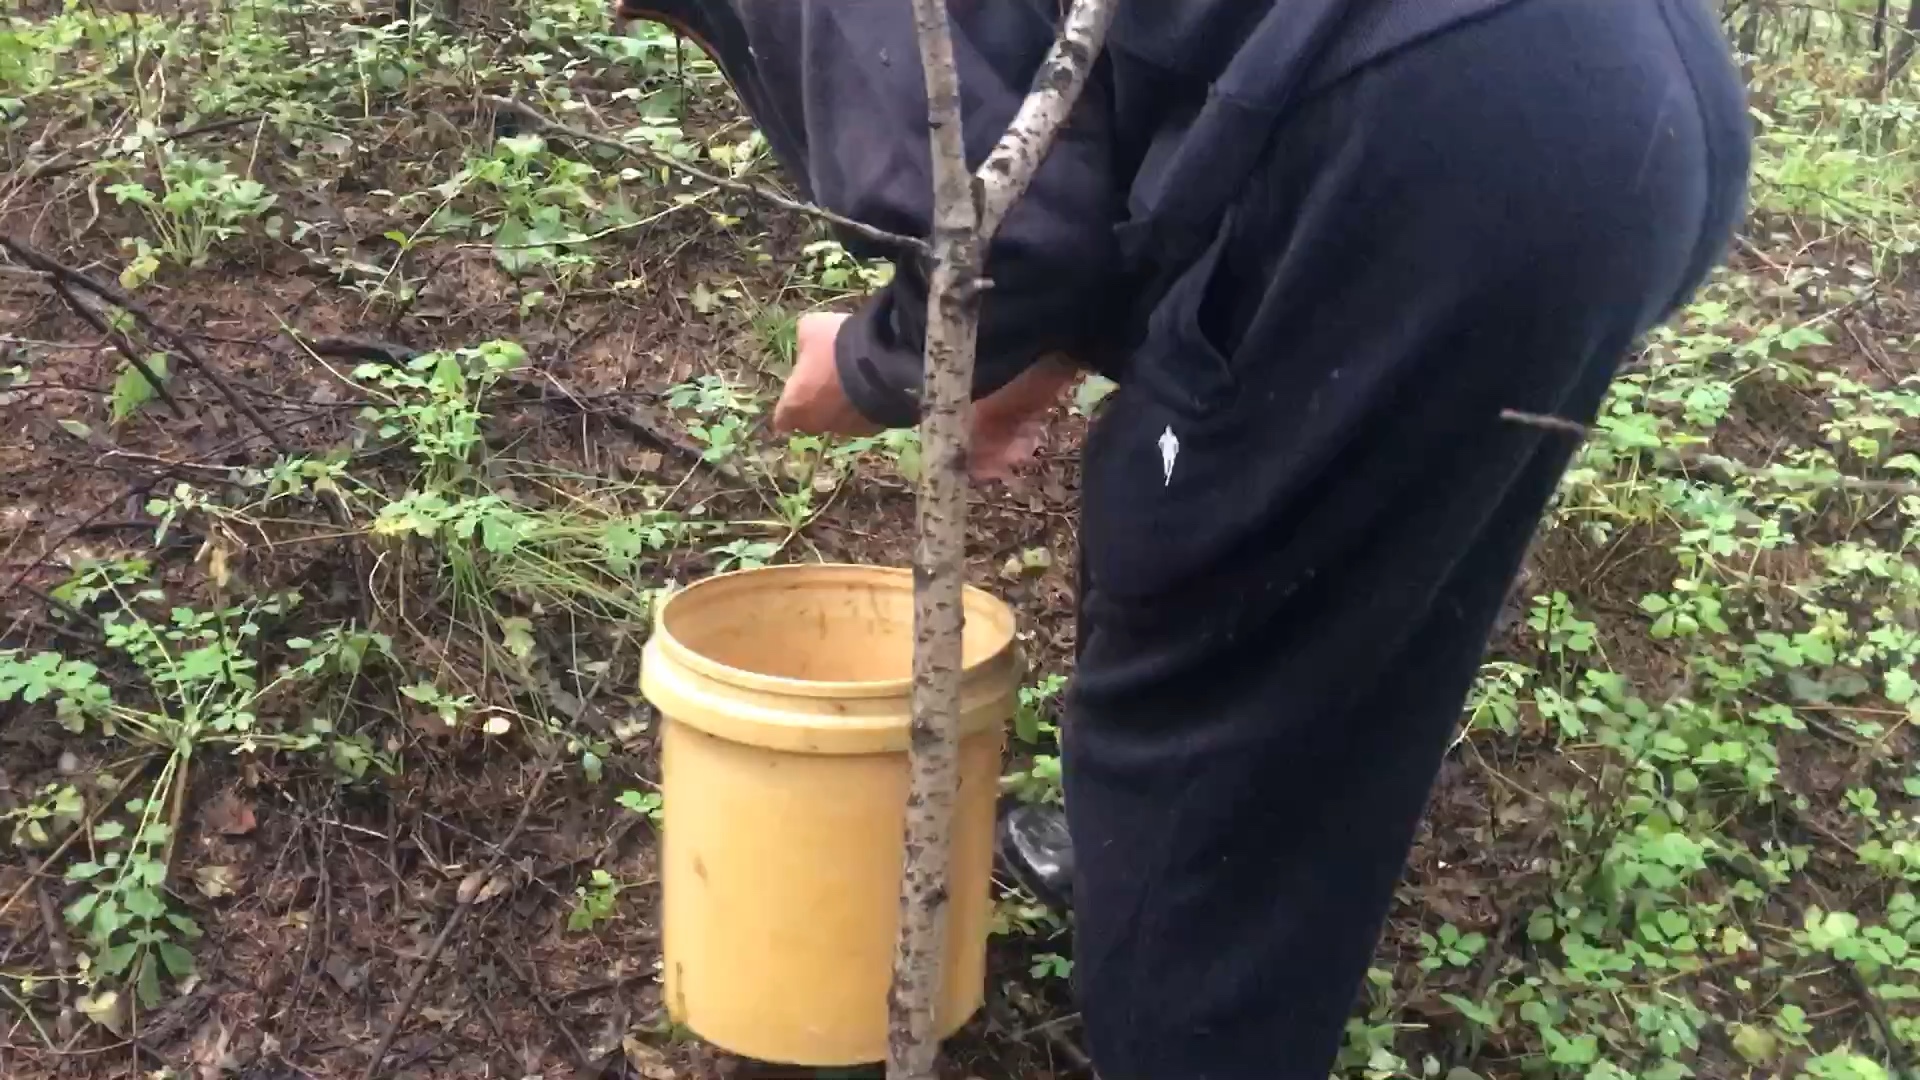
861	129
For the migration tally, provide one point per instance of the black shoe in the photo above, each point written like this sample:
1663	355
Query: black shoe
1033	845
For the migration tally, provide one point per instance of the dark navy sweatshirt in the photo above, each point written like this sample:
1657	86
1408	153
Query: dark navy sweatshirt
1184	100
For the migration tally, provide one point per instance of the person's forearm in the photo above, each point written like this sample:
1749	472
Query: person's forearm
1034	390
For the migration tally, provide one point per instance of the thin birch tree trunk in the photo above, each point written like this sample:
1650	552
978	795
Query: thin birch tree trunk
967	210
939	565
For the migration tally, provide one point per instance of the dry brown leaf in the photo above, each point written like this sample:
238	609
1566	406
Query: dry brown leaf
108	1009
470	887
496	885
229	815
348	975
212	1051
215	882
644	462
647	1061
217	568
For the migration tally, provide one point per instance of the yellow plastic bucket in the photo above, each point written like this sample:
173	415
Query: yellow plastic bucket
784	693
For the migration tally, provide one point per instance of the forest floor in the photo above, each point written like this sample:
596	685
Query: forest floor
333	642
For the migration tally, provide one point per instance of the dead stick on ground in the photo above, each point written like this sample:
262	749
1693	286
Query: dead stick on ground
140	488
119	298
1726	470
53	166
531	976
1541	420
85	828
56	931
967	209
120	343
540	122
464	899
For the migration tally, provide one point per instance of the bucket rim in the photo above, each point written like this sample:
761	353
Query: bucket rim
975	601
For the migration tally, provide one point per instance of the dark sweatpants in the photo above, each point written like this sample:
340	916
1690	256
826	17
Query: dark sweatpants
1278	632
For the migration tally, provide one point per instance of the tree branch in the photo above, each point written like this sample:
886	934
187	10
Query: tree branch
962	227
540	122
1010	168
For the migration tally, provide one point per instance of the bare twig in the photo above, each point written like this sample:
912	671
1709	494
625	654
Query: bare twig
57	945
178	342
1726	470
464	900
85	828
1541	420
119	342
962	228
53	166
540	122
531	976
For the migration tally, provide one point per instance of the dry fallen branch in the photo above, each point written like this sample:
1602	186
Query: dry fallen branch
540	122
54	166
1726	470
119	342
464	898
1541	420
174	340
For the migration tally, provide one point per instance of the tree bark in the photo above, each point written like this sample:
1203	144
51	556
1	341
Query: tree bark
1010	168
938	573
1750	30
967	209
1902	46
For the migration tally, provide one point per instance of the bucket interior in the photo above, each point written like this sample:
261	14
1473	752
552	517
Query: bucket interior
821	624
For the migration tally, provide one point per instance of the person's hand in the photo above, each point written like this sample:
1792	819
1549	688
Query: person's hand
813	400
1008	424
